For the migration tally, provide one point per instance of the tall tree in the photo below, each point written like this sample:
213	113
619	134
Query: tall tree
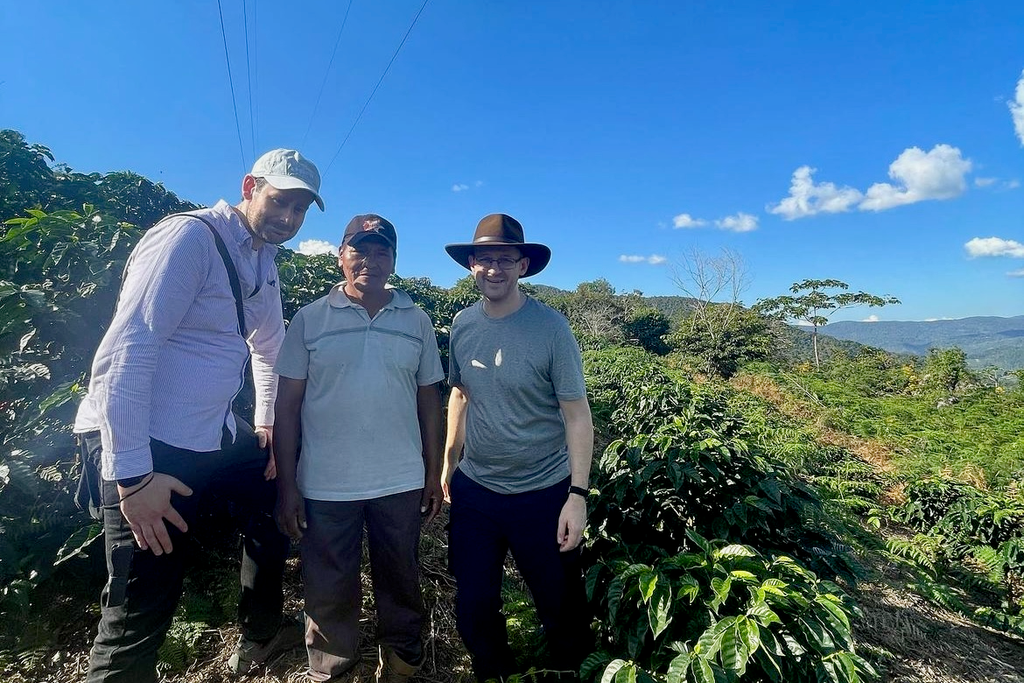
815	301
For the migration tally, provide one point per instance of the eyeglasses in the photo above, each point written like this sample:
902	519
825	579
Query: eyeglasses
503	263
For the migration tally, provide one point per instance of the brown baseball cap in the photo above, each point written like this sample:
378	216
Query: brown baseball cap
501	230
370	225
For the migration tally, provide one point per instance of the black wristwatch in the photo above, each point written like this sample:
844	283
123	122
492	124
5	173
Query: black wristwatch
128	482
579	491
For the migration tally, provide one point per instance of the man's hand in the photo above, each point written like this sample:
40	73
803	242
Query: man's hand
290	511
146	505
265	436
430	502
571	522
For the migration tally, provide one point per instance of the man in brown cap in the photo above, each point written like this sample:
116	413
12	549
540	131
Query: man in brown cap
359	368
518	416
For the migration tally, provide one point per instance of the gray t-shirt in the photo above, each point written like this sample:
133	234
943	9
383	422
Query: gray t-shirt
514	371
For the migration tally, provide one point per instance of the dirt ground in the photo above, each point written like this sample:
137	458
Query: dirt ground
910	639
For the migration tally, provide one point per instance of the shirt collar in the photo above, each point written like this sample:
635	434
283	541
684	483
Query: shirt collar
338	299
237	230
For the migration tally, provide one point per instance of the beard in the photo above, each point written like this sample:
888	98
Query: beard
266	230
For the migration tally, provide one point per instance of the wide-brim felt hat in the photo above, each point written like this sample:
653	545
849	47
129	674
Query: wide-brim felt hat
501	230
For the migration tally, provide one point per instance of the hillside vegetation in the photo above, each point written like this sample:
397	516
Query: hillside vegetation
753	517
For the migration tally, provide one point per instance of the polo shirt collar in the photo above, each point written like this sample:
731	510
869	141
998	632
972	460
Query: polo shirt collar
338	299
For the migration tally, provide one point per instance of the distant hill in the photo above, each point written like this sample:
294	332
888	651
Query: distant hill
985	340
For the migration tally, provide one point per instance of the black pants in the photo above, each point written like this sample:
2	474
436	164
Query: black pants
143	589
485	526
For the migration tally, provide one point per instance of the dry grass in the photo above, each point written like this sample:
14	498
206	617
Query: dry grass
446	658
930	644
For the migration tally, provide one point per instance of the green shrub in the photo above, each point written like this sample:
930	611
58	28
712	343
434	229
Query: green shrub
723	612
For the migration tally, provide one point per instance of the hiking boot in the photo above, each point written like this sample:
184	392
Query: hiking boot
249	653
393	669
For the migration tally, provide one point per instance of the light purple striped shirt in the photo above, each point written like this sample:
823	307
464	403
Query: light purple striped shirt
172	359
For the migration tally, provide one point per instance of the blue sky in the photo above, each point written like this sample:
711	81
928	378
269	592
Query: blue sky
870	142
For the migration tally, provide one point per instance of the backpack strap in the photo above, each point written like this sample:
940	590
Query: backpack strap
222	249
229	265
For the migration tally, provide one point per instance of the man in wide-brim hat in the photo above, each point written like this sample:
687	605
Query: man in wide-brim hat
518	416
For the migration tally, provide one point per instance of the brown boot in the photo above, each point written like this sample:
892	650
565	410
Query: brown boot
392	669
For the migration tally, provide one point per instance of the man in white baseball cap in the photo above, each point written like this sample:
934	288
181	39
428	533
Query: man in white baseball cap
200	296
286	169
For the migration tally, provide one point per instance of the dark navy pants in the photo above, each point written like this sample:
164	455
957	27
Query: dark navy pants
485	526
143	589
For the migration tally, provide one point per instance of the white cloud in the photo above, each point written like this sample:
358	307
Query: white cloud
870	319
996	184
994	246
653	259
933	320
1017	110
741	222
478	183
919	176
459	187
1016	273
311	247
685	220
806	199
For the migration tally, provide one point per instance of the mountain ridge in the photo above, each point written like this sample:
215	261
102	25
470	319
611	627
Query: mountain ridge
987	340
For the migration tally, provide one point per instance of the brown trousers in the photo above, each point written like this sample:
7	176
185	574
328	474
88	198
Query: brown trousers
331	558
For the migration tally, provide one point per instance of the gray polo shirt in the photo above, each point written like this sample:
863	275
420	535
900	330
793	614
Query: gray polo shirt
360	432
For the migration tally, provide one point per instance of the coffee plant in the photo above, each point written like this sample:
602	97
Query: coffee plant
721	612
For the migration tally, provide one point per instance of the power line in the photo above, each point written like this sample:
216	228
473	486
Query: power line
337	42
231	83
256	67
381	80
248	75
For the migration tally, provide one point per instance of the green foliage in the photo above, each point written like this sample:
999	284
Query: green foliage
687	465
305	278
946	369
721	612
647	328
59	277
57	289
684	459
724	337
977	436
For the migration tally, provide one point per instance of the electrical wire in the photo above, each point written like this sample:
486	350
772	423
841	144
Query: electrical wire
337	42
256	67
231	83
374	92
248	76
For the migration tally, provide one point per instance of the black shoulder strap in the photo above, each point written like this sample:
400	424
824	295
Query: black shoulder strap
236	287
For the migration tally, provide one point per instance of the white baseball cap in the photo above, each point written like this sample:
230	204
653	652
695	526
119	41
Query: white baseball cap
286	169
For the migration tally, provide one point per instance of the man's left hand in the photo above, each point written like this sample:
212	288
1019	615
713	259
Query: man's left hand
430	502
571	522
265	435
